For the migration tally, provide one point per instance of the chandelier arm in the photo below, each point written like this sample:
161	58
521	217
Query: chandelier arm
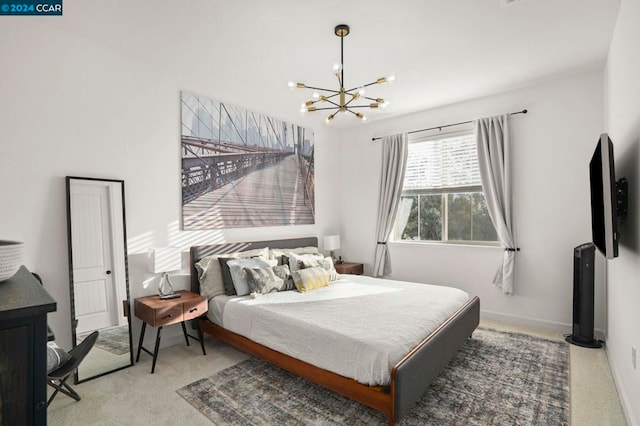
333	103
359	106
327	108
320	88
364	85
327	99
350	100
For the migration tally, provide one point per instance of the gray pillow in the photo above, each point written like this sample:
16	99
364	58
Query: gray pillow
239	277
283	272
263	280
227	279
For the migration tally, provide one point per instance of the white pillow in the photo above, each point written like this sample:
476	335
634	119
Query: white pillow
239	277
210	275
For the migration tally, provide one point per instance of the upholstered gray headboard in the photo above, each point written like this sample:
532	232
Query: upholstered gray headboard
198	252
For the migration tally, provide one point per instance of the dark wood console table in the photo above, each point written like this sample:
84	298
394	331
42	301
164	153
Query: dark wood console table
24	304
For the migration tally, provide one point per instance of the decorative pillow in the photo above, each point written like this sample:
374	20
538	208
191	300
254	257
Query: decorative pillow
310	279
239	277
295	260
326	263
227	279
210	274
263	280
279	253
56	356
284	272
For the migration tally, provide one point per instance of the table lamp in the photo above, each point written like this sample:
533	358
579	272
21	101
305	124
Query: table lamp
162	260
332	243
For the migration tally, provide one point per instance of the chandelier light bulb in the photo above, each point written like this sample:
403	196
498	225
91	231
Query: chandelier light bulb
336	68
329	118
361	91
291	85
384	105
391	78
315	95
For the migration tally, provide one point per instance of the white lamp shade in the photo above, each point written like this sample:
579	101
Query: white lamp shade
331	242
165	259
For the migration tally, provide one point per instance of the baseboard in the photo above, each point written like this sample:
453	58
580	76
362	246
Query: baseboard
558	327
625	402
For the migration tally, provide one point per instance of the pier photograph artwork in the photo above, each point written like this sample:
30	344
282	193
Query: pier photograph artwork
243	169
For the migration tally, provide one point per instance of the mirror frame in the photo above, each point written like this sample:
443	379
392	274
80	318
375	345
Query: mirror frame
127	301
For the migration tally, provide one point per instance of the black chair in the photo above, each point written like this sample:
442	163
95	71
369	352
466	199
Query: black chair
58	377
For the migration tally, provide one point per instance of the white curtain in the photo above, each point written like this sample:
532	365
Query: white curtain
494	159
394	161
404	210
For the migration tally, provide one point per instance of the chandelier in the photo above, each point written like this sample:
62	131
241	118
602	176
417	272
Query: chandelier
342	100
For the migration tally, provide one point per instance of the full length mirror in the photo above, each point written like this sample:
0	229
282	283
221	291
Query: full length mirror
98	273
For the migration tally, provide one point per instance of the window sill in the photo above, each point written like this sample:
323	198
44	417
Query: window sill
447	244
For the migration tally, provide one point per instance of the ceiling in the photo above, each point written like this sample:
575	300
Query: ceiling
441	51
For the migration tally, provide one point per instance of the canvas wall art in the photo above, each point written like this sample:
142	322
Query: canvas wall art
243	169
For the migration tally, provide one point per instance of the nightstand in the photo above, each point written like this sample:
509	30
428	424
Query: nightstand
160	312
349	268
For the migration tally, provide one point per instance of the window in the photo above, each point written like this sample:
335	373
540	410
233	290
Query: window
442	198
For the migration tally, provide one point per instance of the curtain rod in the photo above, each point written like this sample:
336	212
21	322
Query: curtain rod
524	111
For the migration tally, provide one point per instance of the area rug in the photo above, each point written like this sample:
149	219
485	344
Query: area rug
496	378
114	340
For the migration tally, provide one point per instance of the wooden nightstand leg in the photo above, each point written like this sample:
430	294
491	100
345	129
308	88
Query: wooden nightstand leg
144	327
184	331
200	336
155	352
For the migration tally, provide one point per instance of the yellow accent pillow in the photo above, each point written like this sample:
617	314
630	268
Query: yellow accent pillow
310	279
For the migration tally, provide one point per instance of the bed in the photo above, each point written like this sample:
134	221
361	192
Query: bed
408	378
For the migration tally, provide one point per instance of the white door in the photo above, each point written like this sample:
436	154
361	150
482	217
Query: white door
93	262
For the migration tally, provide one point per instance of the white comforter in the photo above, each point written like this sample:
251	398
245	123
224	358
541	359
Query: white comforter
358	327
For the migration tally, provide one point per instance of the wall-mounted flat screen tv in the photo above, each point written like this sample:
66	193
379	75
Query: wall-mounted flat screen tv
608	198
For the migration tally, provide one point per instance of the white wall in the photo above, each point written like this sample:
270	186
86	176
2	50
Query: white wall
70	106
552	145
623	125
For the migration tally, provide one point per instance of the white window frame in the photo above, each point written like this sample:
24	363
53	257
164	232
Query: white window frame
395	237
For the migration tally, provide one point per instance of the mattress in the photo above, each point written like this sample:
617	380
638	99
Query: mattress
358	327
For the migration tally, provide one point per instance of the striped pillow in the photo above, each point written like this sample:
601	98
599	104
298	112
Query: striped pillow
326	263
310	279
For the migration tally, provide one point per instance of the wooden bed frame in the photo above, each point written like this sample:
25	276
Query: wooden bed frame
410	377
